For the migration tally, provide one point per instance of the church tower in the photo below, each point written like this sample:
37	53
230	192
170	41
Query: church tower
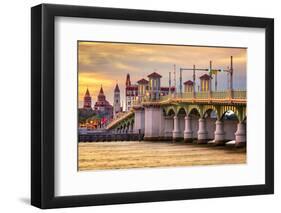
87	100
128	80
116	104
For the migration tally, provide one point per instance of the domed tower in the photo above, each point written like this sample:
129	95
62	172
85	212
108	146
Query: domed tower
116	104
87	100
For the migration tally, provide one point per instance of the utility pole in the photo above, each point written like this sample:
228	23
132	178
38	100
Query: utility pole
181	82
194	85
194	77
229	70
175	83
216	81
231	73
231	76
169	83
210	80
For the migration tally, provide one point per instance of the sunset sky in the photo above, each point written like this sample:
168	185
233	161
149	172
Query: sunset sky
106	64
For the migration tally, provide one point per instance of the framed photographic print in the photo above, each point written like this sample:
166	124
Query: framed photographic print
139	106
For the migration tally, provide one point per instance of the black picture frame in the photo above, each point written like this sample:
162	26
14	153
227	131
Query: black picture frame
43	102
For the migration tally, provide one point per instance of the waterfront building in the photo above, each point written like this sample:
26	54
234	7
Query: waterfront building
103	108
131	92
145	89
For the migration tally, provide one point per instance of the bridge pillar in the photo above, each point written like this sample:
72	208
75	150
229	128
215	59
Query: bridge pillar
162	125
188	133
240	134
202	132
219	133
176	131
139	120
151	127
168	131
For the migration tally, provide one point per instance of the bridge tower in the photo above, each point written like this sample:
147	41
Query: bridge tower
154	85
142	89
188	86
205	83
116	104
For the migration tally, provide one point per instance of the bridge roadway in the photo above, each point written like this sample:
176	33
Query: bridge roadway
200	116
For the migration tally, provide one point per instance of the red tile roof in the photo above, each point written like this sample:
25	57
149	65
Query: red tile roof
189	82
154	75
142	81
167	88
205	77
132	87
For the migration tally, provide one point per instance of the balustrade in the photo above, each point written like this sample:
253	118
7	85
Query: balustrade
219	95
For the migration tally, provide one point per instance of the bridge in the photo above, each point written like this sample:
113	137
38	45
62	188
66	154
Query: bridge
204	117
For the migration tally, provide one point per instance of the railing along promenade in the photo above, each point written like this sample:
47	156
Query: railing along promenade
108	136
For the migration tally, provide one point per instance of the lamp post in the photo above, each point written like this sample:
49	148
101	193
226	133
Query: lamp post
211	70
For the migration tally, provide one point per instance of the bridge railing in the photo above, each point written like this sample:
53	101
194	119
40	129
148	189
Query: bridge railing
236	94
220	95
201	95
239	94
119	118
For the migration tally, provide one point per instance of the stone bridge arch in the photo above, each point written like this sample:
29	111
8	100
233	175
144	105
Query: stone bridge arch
239	111
181	109
196	107
208	108
171	110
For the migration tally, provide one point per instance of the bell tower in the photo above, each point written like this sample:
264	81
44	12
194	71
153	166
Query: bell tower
116	104
128	80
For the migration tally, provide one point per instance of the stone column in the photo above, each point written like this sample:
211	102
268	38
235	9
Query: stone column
219	133
168	132
202	132
139	120
162	126
188	133
240	135
151	127
176	131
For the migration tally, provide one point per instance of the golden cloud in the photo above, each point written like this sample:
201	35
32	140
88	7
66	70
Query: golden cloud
107	63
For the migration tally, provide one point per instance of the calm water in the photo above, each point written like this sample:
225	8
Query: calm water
135	154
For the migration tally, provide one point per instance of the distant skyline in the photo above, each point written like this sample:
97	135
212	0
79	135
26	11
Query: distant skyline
104	63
